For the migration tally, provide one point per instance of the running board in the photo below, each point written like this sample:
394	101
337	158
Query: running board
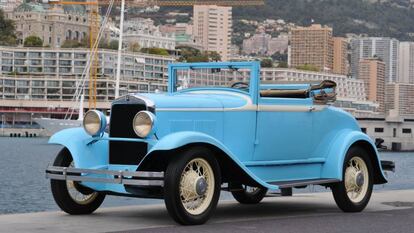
299	183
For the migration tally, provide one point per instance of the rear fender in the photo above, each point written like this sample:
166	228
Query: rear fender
181	139
333	167
85	155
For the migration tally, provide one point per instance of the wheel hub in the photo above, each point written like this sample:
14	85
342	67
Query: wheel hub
359	179
201	186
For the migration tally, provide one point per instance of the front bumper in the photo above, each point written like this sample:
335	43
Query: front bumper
146	179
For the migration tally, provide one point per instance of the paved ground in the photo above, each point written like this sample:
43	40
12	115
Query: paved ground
388	212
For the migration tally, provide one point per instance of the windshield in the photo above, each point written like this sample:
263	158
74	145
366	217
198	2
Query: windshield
213	78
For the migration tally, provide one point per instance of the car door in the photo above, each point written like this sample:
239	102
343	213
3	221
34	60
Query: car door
284	129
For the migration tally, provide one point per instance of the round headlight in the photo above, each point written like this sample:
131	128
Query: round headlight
143	123
94	122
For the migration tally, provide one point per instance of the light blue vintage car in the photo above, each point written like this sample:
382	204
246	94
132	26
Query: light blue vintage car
187	145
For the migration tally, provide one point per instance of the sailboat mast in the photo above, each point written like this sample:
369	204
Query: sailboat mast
118	65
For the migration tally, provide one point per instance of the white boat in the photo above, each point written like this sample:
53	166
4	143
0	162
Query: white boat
55	125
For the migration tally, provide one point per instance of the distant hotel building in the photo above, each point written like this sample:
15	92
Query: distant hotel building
212	29
340	56
53	25
312	46
372	72
316	46
385	49
9	5
400	99
264	44
406	63
37	82
147	35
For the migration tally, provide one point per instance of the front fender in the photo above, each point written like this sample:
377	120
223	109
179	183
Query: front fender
85	155
333	167
181	139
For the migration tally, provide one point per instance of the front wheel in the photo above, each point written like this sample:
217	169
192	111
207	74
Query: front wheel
354	192
70	196
192	186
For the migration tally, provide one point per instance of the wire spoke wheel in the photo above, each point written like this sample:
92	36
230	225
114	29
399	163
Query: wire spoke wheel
197	186
76	195
356	179
70	196
192	186
353	193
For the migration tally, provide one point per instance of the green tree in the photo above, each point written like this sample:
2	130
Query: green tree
33	41
214	56
268	63
7	31
155	51
74	44
282	64
113	44
308	67
134	47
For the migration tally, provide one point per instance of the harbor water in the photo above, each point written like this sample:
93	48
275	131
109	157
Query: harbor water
23	187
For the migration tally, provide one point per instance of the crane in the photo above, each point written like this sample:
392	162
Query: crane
94	27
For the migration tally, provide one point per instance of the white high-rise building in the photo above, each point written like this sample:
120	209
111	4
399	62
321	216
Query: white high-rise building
406	63
213	28
386	49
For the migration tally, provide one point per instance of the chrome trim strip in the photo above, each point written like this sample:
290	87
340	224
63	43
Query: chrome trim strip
291	108
283	162
298	183
259	108
147	100
119	177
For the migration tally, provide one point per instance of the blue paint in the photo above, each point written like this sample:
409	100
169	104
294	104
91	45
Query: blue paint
290	139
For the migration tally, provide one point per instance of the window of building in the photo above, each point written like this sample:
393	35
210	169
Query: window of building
394	132
406	131
364	130
379	130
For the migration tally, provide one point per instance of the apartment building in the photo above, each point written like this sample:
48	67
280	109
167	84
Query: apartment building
372	72
386	49
312	46
406	62
400	99
340	56
42	82
212	28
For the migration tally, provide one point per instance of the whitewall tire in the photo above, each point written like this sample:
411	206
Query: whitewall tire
353	193
192	186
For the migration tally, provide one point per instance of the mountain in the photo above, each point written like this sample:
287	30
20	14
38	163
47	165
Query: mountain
392	18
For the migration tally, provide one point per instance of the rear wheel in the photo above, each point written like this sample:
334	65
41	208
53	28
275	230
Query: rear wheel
192	186
70	196
248	195
354	192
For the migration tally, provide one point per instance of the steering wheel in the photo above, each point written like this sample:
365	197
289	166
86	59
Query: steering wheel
240	85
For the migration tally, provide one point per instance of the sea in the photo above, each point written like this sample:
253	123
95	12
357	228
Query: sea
24	188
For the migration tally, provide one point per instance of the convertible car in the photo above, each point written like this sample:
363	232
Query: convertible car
219	127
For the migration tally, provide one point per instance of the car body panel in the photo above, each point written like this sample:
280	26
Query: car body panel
270	139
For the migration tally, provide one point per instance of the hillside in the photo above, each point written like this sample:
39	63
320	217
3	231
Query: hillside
393	18
376	18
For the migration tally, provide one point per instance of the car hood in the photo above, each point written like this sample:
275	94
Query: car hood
198	100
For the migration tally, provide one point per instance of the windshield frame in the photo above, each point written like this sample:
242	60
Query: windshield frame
254	68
